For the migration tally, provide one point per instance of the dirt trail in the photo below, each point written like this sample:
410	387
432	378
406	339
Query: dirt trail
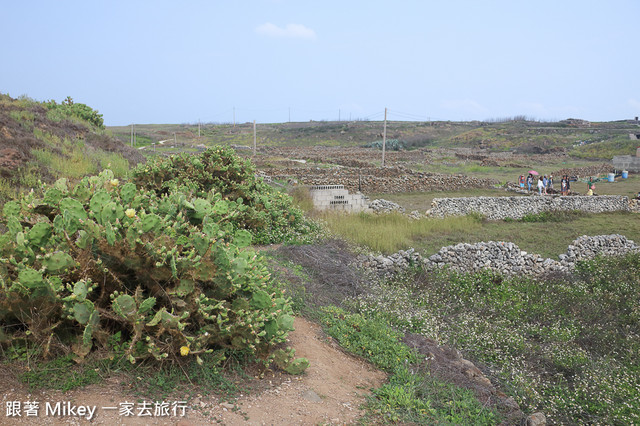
330	392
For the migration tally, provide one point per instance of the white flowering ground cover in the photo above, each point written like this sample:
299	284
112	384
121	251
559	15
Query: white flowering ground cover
566	346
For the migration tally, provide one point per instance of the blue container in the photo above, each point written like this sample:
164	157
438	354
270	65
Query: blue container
611	177
625	174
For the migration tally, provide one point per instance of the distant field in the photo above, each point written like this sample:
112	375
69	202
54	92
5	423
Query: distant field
601	140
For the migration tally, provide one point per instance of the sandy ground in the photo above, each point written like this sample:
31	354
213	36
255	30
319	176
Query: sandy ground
330	392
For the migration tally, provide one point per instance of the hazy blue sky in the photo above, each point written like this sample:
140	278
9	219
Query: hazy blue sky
184	61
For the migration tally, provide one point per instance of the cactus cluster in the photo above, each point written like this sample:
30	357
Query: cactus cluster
168	270
268	214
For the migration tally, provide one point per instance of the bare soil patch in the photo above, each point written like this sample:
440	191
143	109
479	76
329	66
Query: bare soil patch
330	392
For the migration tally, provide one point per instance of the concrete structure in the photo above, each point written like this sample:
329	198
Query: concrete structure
335	197
627	162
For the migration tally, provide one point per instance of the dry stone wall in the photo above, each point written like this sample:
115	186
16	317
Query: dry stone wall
503	257
496	208
376	179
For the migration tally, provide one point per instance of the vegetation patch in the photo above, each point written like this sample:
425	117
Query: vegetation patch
169	274
566	347
388	233
268	214
412	394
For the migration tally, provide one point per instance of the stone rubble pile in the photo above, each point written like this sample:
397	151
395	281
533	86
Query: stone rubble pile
385	206
415	215
391	264
589	247
504	257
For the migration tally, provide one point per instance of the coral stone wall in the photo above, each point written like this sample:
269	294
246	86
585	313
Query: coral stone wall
496	208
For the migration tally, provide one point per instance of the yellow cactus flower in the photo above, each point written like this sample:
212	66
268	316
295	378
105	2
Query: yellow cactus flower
184	350
130	212
114	182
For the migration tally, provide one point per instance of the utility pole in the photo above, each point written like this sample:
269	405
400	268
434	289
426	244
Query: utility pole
254	138
384	135
289	114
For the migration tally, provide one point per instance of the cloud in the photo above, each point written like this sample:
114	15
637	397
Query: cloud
289	31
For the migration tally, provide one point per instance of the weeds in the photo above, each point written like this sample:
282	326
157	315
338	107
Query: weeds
569	348
388	233
412	394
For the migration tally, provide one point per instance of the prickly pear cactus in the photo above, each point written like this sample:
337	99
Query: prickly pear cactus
165	271
227	185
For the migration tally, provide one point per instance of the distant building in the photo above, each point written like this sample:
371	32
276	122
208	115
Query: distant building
627	162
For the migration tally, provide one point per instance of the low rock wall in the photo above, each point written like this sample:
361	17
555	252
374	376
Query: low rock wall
503	257
382	179
496	208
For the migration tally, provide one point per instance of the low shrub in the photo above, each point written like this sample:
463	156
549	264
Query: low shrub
170	273
268	214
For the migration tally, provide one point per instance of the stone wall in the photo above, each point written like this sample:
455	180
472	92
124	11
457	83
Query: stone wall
496	208
503	257
382	179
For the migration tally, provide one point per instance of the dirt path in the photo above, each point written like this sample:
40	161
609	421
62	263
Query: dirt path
330	392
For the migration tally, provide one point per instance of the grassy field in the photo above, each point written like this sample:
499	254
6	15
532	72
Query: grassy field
393	232
421	201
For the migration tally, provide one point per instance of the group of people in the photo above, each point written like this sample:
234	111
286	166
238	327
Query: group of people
544	184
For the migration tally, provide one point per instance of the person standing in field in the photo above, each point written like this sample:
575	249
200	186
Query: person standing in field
550	181
563	185
521	181
545	182
540	185
530	181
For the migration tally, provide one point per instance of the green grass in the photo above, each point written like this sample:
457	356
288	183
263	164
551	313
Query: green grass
548	235
76	165
412	394
546	238
388	233
61	373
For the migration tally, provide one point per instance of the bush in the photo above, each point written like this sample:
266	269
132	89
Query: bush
79	265
269	215
69	109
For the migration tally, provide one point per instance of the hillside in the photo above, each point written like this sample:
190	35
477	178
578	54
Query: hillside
576	137
45	141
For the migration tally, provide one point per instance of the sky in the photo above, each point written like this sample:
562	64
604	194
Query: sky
298	60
